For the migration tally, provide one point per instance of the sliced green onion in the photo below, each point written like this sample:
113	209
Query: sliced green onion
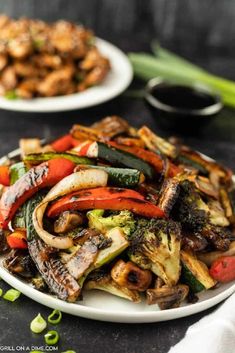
38	324
12	295
69	352
55	317
51	337
1	292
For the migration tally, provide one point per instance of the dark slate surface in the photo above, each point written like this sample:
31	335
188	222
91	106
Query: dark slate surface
203	33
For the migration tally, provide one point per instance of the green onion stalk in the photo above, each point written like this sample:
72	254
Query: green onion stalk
175	69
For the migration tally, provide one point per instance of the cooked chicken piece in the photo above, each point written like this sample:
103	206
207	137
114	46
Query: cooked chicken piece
47	60
96	75
3	61
57	82
25	69
91	60
4	20
8	78
20	48
27	88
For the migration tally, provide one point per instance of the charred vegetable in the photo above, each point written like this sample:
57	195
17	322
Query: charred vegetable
158	241
48	264
123	220
195	273
104	282
131	276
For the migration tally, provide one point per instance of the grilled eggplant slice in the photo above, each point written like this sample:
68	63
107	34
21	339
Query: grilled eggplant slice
54	273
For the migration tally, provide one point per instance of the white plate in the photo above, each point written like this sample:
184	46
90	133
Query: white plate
102	306
98	305
117	80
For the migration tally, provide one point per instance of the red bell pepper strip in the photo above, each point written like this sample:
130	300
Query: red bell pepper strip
4	175
108	199
64	143
148	156
223	269
17	240
46	174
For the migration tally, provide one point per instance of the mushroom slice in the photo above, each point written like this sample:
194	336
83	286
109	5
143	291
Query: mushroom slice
131	276
67	221
167	297
102	281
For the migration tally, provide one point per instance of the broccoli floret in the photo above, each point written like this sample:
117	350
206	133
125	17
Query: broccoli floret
190	210
124	220
156	245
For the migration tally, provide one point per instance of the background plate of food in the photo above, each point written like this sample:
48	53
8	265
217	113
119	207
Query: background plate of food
57	67
100	224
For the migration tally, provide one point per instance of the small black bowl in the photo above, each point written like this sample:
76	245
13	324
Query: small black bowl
181	107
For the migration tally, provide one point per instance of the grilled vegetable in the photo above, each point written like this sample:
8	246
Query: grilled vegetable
210	257
19	262
122	177
4	175
31	145
84	257
156	143
195	273
218	237
68	221
190	209
114	156
118	243
168	195
50	267
17	170
76	181
107	199
17	240
36	158
64	143
104	282
111	126
154	159
167	297
41	176
123	220
159	242
216	214
131	276
223	269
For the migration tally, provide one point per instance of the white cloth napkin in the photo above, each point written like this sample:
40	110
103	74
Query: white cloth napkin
215	333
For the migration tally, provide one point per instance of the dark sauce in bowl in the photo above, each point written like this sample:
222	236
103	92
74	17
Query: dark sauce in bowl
182	97
181	107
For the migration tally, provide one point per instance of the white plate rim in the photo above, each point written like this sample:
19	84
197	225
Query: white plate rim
117	80
93	313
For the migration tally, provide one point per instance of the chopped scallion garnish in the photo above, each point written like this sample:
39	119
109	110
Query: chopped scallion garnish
1	292
12	295
69	352
51	337
38	324
55	317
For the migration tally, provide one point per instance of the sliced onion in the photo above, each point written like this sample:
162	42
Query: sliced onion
84	179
